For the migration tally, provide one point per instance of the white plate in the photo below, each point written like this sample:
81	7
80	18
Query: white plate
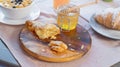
114	34
33	15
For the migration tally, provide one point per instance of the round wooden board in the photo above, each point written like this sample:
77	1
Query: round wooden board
78	42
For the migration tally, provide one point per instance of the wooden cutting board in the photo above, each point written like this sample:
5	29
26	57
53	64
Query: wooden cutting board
77	40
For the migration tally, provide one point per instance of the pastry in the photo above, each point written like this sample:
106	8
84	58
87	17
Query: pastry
43	31
109	18
58	46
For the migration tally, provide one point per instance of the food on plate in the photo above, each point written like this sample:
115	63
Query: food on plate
16	9
43	30
58	46
109	18
15	3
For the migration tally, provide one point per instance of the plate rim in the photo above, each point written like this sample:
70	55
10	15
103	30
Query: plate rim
103	34
22	19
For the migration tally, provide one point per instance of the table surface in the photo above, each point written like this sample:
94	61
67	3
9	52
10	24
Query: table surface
6	58
103	53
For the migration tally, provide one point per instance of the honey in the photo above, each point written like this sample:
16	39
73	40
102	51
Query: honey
67	20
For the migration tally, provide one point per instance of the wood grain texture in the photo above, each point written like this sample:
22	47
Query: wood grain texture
77	40
103	53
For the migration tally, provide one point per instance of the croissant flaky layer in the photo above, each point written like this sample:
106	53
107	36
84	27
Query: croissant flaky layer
43	31
109	18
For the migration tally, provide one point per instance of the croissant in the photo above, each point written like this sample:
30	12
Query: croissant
58	46
43	31
109	18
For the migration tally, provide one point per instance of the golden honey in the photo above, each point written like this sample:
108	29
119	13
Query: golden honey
67	20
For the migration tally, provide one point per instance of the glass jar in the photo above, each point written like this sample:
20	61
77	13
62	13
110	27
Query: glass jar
67	19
